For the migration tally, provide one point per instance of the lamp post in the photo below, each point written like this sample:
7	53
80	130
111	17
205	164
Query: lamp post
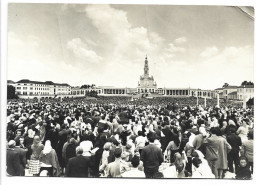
218	99
244	98
197	98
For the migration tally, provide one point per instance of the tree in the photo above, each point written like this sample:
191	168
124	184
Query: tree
247	83
87	86
92	94
11	92
84	86
225	85
244	83
250	102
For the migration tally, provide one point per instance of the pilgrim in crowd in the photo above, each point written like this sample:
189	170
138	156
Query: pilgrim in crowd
116	137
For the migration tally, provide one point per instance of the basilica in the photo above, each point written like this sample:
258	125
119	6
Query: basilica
146	83
146	86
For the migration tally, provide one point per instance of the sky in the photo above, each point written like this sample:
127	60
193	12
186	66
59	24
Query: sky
186	46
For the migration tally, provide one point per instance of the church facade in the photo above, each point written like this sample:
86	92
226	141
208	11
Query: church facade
147	83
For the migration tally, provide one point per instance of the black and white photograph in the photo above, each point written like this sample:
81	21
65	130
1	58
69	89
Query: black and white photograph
128	91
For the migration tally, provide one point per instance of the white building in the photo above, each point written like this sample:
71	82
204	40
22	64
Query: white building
246	90
229	89
30	89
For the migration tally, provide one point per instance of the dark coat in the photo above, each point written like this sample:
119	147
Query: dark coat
15	161
77	167
70	151
151	156
235	142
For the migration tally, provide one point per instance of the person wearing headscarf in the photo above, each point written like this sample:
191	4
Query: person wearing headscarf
243	130
200	166
104	159
93	166
34	164
243	171
49	160
86	146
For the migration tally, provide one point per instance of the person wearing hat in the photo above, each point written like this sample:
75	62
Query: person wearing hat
15	160
78	166
151	156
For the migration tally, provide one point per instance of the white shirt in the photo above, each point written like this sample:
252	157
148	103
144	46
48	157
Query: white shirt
134	173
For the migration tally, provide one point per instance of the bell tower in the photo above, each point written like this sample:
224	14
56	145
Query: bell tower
146	68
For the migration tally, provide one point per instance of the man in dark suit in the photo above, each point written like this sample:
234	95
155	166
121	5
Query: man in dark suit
151	156
233	156
78	166
15	160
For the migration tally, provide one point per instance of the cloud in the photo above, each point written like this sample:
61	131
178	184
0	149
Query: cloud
108	20
34	40
220	67
14	40
81	50
76	7
180	40
23	47
210	51
172	48
129	43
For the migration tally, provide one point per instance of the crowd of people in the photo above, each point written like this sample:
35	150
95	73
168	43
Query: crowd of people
120	137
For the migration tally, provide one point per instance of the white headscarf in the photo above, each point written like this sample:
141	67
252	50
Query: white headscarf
87	146
47	147
31	133
191	139
202	131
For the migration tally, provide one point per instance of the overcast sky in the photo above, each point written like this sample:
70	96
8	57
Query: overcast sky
187	46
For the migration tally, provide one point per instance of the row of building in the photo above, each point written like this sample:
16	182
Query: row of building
30	89
147	85
235	92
